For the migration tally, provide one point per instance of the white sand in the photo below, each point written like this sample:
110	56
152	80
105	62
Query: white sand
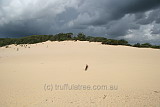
24	73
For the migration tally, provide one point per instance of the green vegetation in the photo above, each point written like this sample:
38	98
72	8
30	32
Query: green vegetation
115	42
146	45
60	37
69	36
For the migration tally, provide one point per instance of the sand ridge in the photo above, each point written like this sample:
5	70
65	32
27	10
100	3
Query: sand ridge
24	71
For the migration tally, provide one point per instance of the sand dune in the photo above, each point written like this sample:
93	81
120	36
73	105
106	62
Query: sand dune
51	74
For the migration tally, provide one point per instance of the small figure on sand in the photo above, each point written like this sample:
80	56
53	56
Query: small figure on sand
86	67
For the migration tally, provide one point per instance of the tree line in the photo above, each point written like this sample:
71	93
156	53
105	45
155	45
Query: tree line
69	36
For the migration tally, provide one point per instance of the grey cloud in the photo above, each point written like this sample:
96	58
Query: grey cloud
156	29
40	17
101	12
111	14
109	18
121	27
150	17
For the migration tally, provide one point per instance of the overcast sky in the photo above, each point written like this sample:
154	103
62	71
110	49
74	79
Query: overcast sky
133	20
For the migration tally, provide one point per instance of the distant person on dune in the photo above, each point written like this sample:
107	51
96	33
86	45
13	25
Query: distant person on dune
86	67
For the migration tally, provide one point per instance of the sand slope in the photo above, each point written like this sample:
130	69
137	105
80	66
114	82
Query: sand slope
28	75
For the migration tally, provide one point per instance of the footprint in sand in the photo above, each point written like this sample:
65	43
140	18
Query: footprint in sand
156	91
104	96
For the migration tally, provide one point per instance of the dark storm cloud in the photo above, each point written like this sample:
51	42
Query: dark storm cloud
156	29
134	6
102	11
21	18
111	18
149	18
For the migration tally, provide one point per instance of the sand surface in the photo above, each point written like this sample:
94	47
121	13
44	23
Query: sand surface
48	74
